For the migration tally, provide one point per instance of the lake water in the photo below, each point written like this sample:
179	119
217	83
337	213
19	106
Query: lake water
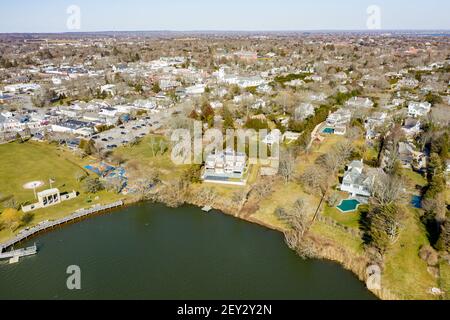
153	252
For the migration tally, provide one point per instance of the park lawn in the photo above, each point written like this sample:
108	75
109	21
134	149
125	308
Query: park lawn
34	161
405	274
349	219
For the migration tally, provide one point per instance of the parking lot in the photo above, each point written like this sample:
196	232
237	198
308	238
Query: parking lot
124	134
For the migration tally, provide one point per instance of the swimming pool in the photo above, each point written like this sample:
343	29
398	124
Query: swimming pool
416	202
348	205
328	131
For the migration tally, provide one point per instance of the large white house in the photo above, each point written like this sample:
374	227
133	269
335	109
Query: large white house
356	181
412	127
357	102
196	89
243	82
22	88
225	167
372	123
418	109
338	121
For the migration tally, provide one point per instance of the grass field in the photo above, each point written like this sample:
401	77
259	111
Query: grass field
284	196
147	158
405	273
33	161
445	278
353	244
349	219
413	178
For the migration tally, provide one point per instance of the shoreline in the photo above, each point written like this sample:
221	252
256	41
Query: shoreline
322	247
322	252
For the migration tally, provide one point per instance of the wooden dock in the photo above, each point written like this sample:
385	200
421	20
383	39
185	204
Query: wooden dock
16	254
207	208
45	225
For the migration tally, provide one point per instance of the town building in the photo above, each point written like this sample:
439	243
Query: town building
49	198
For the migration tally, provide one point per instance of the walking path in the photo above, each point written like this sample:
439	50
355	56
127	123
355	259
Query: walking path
29	232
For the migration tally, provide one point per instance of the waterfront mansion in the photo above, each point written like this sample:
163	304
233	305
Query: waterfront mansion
356	181
226	167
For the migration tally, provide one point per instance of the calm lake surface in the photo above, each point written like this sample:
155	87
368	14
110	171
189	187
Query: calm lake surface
152	252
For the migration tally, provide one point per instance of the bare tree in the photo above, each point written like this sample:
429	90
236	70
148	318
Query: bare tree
287	165
336	158
144	181
315	179
264	187
387	189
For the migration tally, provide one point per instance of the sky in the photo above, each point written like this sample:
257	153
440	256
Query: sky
226	15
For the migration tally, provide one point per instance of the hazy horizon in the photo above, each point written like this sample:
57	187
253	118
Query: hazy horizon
241	31
51	16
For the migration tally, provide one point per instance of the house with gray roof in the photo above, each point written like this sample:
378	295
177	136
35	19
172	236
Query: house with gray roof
357	181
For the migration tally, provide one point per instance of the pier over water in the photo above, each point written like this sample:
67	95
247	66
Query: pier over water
46	225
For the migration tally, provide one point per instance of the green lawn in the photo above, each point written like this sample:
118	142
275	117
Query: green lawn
33	161
413	178
143	154
405	273
284	196
349	219
445	278
338	236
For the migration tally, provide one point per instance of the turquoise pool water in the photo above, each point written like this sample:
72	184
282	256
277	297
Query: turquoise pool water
349	205
328	130
416	202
